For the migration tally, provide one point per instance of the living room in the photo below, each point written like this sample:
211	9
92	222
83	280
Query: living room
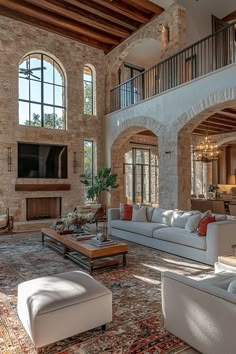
135	86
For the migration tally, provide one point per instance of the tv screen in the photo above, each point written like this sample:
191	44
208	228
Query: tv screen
42	161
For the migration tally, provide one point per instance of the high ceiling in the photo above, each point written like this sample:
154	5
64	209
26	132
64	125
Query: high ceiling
218	123
99	23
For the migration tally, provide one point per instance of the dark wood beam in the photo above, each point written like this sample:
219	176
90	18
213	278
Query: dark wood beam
230	17
222	122
215	125
104	14
227	116
230	110
50	6
54	29
147	5
23	8
123	9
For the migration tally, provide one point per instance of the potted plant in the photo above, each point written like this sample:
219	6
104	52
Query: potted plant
104	181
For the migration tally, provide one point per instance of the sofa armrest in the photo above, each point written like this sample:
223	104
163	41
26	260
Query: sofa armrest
112	214
203	320
220	238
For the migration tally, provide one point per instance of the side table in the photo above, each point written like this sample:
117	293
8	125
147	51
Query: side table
226	263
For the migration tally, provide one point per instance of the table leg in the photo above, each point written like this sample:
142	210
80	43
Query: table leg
65	251
42	238
90	267
124	259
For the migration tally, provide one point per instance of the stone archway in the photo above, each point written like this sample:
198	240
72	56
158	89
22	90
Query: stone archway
119	146
185	124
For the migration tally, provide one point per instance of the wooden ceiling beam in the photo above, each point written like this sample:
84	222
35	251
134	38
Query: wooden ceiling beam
215	125
230	17
50	6
230	110
221	122
104	14
147	5
58	21
54	29
207	129
123	9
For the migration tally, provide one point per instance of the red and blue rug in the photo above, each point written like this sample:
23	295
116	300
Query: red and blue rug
136	289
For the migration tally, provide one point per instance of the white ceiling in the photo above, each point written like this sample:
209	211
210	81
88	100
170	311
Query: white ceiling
163	3
138	55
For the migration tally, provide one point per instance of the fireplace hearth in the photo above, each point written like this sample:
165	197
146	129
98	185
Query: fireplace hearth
43	208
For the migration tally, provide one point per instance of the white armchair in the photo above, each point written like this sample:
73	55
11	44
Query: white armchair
202	313
6	222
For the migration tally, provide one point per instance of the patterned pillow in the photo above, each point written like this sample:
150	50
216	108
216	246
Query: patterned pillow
180	217
202	228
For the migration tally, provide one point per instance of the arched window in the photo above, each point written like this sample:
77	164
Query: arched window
42	101
88	78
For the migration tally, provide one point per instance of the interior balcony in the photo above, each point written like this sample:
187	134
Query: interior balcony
172	87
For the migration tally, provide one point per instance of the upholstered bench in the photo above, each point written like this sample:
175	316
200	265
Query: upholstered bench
59	306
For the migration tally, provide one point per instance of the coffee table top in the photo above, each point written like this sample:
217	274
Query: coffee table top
229	260
85	247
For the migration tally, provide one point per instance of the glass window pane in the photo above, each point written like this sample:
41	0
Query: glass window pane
88	102
47	69
58	96
88	157
23	113
35	91
23	89
49	117
88	74
35	67
35	115
129	157
48	93
59	118
58	75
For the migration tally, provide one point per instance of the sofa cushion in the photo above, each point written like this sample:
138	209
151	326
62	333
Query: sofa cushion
193	222
149	213
162	216
202	228
139	214
141	228
180	217
232	287
181	236
219	217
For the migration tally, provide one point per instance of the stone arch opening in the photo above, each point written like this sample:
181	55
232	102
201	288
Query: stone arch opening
135	138
185	126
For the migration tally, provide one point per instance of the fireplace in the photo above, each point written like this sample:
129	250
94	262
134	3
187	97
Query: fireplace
43	208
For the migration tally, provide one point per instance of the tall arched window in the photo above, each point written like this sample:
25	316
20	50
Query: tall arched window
88	78
42	101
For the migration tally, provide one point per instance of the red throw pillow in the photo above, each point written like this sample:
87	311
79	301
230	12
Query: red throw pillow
202	227
128	212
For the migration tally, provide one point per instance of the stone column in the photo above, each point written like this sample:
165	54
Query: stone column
174	169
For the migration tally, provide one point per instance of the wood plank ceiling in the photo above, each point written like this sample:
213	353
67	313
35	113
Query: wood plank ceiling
99	23
218	123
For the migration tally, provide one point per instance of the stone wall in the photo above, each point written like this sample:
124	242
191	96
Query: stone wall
16	40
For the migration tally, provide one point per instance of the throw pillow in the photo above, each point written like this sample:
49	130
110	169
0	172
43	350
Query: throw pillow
219	217
149	213
193	222
139	214
180	217
128	211
232	287
202	228
162	216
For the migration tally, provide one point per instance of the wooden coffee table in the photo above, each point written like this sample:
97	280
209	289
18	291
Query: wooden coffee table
83	252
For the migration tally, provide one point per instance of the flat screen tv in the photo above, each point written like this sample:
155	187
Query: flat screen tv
42	161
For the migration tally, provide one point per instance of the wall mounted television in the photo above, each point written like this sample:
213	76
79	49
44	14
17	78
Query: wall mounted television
42	161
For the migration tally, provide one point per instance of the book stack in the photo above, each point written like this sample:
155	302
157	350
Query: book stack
104	243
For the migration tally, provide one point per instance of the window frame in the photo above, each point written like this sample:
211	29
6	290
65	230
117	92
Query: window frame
92	89
92	164
54	63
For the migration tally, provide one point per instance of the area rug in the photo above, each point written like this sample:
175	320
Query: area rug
136	290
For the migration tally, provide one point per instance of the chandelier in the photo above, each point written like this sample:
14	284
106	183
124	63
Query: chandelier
206	151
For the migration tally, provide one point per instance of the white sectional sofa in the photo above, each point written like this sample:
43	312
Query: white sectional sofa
168	237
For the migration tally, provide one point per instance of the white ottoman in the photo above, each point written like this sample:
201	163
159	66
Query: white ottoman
62	305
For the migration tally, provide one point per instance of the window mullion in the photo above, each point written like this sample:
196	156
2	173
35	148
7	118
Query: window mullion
42	93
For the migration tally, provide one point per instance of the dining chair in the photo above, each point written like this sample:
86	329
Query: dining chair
232	209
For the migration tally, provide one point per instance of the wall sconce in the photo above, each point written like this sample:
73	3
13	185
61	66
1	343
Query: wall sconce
74	163
9	160
165	31
235	176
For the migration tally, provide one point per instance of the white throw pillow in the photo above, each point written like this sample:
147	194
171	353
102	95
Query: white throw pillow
219	217
139	214
232	287
193	222
162	216
180	217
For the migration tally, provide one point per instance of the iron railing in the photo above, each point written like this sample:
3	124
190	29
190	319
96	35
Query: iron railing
207	55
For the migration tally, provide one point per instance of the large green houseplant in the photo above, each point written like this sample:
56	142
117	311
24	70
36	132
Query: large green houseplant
104	181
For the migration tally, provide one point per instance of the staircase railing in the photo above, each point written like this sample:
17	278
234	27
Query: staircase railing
209	54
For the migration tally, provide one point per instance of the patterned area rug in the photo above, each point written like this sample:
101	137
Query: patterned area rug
136	288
